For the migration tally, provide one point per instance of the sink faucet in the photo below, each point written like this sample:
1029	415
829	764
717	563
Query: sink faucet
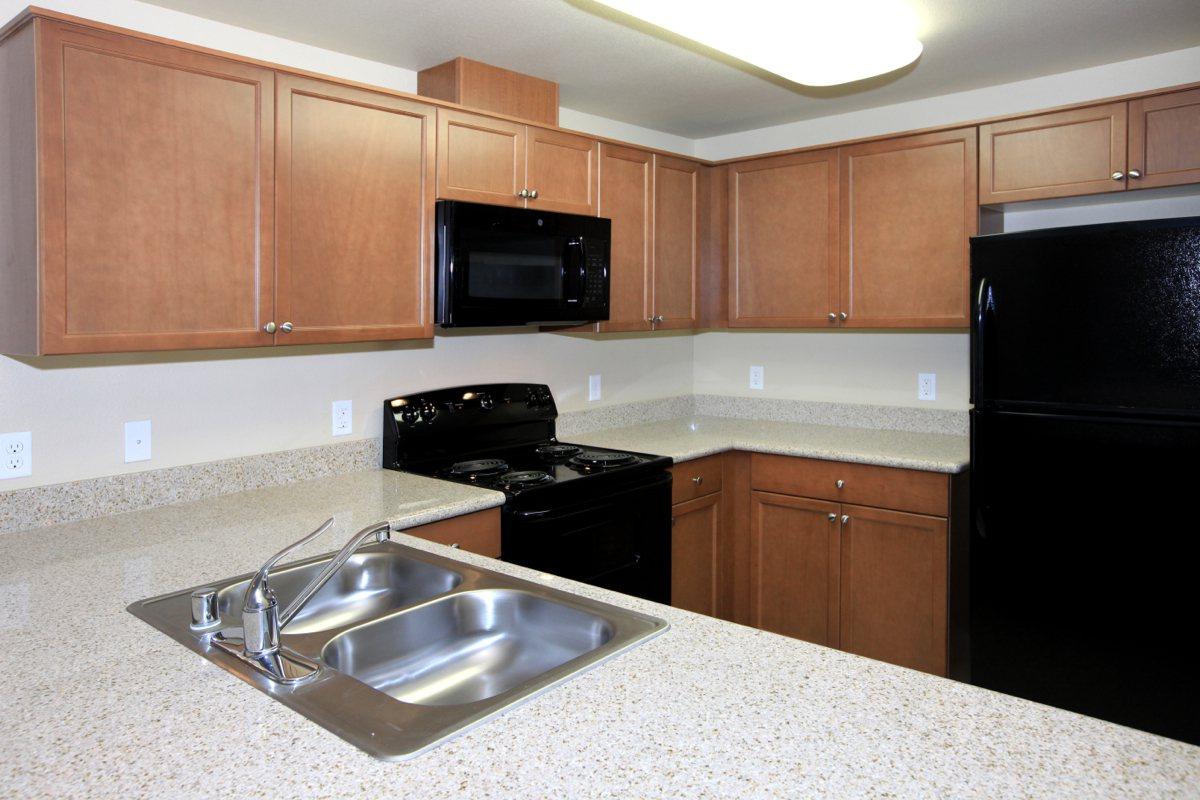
261	619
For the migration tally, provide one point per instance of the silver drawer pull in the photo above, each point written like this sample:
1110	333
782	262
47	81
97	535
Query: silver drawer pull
698	480
840	484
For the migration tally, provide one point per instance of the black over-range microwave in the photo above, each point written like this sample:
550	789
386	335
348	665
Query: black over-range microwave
517	266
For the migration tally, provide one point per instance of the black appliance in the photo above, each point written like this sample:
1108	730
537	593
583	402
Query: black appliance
590	514
515	266
1085	438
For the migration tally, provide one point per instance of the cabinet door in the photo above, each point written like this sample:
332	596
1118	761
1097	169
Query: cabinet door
354	199
626	198
562	169
783	232
894	587
794	567
1164	140
908	210
695	544
480	159
476	533
156	168
1053	155
676	234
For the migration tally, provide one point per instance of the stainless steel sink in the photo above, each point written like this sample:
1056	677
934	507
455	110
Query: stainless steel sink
467	647
413	647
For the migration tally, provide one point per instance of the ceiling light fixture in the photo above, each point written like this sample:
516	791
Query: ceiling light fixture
807	42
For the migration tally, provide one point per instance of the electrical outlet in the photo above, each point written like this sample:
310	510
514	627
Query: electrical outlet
593	387
16	455
137	441
756	377
343	417
926	386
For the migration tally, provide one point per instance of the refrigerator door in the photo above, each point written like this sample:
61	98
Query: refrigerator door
1099	317
1083	566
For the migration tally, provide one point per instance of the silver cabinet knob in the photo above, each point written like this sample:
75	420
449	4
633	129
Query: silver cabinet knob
840	484
832	316
843	316
286	327
523	193
1118	176
659	319
832	517
533	194
454	545
845	518
1135	173
699	479
269	327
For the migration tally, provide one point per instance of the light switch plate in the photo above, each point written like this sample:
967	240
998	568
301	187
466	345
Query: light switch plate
343	417
137	441
756	377
927	386
16	454
593	387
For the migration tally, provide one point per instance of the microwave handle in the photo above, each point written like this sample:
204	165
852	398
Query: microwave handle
574	273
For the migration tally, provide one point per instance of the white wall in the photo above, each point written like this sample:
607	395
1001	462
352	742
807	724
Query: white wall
219	404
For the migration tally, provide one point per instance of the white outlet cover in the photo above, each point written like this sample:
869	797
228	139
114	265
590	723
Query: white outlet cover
16	454
137	441
343	417
756	377
593	387
927	386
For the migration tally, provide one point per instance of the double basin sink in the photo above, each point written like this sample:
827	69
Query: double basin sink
412	647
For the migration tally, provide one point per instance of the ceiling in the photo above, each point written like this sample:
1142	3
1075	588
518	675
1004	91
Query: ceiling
616	68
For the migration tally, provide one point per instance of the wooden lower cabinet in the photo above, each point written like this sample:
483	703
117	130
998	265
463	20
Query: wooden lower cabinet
695	549
794	567
475	533
894	586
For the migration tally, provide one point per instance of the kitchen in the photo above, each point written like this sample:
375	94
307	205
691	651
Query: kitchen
267	266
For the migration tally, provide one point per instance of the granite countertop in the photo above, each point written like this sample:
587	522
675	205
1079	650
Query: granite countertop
99	704
691	437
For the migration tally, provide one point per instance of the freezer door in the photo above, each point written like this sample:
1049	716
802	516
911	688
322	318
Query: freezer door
1099	317
1083	566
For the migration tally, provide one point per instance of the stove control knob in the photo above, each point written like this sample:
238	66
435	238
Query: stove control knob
429	412
486	402
409	415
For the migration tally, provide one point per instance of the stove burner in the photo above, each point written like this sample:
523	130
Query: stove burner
558	450
523	478
598	460
478	467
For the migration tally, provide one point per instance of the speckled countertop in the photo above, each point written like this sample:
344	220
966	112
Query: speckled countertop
690	437
98	704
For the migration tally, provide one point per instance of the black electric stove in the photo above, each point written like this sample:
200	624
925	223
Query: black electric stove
591	514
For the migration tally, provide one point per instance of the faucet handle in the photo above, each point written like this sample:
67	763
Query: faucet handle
258	594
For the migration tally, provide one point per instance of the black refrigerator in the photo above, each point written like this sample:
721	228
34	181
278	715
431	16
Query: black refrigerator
1084	553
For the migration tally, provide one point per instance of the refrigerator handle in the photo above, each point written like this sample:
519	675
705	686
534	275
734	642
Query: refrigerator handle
985	306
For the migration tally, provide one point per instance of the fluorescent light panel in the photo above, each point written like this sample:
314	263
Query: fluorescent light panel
813	43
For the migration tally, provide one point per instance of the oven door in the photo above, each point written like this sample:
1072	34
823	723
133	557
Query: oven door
621	541
509	266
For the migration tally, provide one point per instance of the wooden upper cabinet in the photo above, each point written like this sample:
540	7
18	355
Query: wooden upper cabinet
1053	155
354	200
908	210
1164	140
155	202
626	198
783	234
695	550
480	159
563	169
794	563
893	587
676	241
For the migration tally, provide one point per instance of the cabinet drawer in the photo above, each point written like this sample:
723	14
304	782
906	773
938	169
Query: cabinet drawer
476	533
695	478
861	484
